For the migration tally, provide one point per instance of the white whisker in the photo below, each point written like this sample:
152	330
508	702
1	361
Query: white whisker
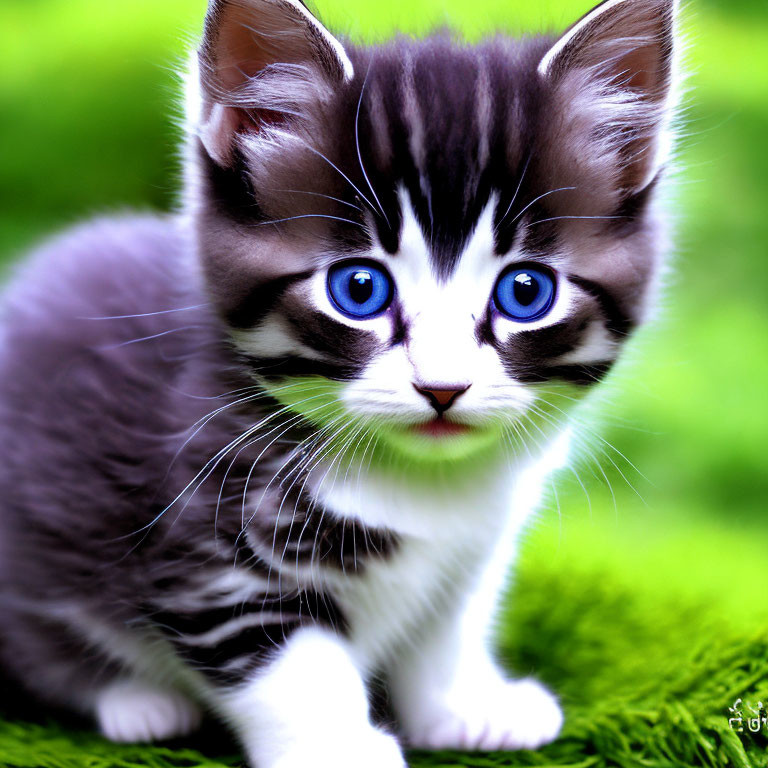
310	216
536	200
107	347
145	314
357	145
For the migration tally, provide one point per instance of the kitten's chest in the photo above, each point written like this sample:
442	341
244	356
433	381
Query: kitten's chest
443	545
392	600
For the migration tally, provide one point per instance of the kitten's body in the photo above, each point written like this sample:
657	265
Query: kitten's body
182	524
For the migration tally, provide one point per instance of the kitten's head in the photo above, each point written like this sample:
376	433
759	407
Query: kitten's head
427	239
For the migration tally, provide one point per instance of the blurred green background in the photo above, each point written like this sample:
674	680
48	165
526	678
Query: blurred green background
670	496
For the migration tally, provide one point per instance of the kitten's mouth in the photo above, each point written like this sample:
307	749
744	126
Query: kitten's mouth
440	427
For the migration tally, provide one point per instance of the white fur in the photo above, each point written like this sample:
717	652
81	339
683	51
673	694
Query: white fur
597	347
425	615
446	688
479	710
310	707
273	338
132	711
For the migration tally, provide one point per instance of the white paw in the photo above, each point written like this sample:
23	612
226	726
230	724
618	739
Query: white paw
515	715
132	711
370	748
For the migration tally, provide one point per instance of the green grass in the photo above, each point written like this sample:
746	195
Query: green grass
643	601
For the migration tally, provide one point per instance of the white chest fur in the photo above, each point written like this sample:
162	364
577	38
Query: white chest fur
456	544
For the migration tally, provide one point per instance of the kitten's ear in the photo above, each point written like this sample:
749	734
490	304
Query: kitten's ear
260	61
621	55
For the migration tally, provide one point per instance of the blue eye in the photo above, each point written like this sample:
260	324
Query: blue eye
360	289
525	292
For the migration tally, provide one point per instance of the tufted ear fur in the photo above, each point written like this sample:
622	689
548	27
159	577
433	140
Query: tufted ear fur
615	69
261	62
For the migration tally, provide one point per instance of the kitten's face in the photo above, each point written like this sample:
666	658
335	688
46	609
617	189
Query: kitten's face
426	239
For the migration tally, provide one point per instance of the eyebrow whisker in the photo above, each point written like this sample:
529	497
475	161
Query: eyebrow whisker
514	197
320	194
310	216
540	197
557	218
357	145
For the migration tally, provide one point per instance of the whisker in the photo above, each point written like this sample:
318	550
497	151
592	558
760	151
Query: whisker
310	216
585	428
261	393
357	145
249	444
514	197
343	175
305	460
540	197
145	314
211	465
558	218
317	495
215	397
205	420
107	347
293	518
299	417
276	526
320	194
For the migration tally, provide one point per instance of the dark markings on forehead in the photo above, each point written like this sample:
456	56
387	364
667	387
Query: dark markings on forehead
538	236
451	120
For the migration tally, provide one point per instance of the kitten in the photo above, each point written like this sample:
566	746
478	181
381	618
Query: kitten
282	444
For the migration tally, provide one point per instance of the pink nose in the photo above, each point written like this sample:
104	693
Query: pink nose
442	398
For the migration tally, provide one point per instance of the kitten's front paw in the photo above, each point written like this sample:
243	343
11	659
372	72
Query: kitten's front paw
131	711
514	715
371	748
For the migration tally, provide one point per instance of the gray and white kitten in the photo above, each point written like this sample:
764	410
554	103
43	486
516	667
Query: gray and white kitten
261	453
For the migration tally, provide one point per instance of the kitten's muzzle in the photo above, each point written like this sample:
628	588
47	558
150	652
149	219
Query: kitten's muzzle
442	398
